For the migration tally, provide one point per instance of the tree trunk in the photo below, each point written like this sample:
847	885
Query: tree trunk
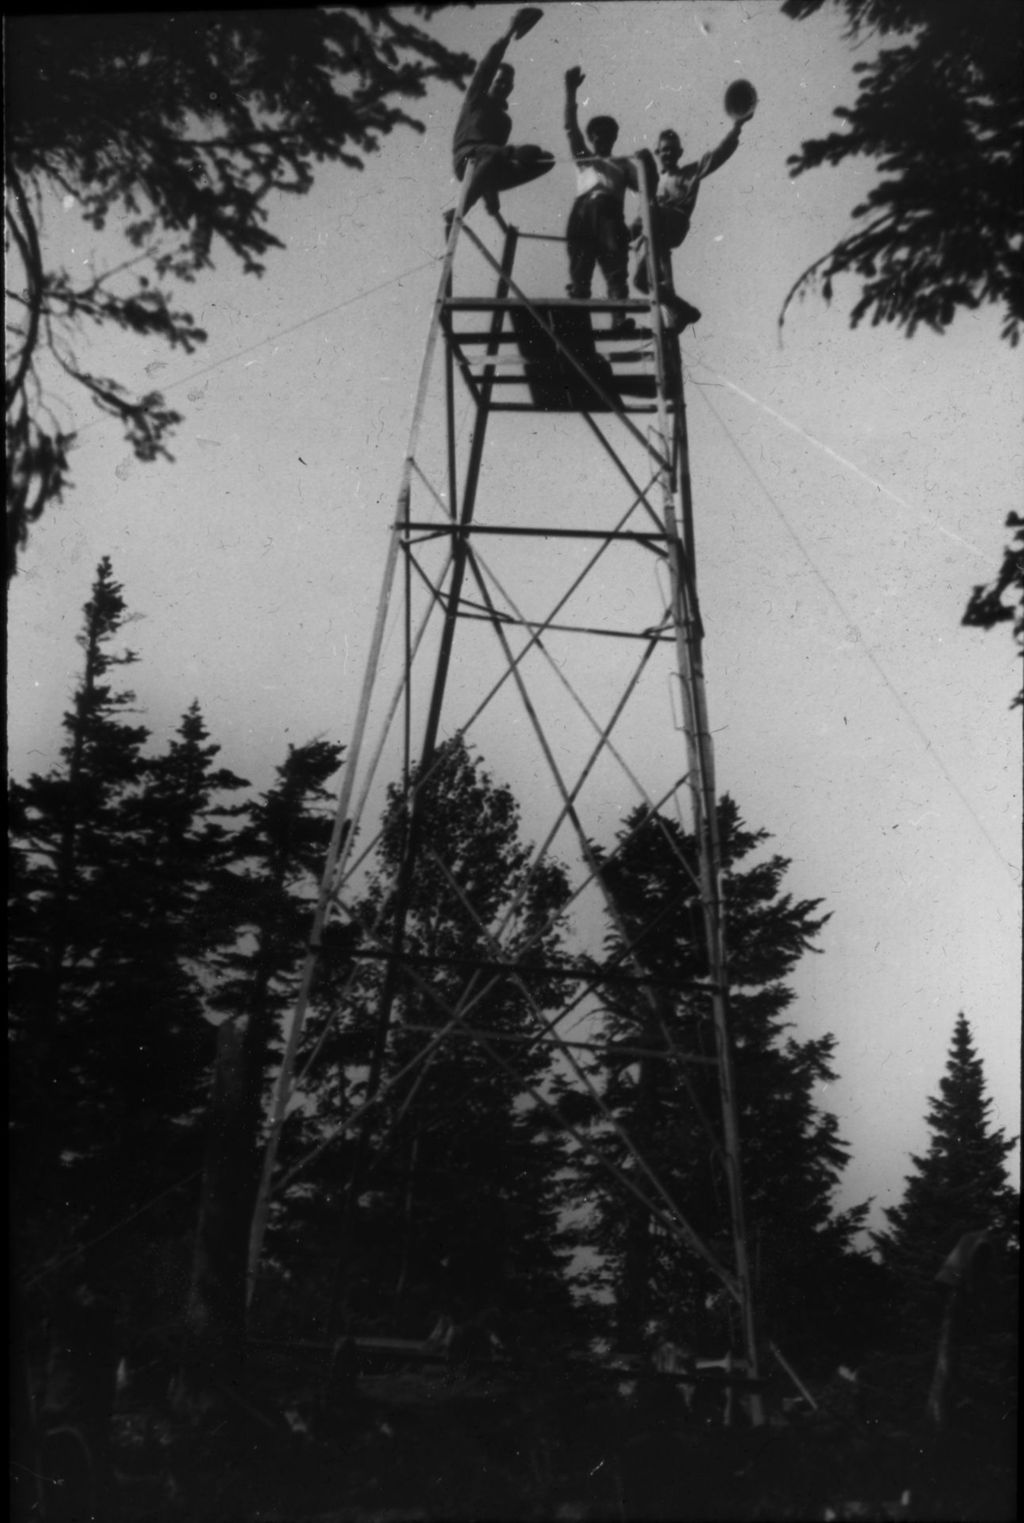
215	1316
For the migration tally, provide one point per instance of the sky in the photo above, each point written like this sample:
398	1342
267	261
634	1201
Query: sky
850	487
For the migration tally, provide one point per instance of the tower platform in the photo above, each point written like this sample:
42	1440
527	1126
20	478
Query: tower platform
526	354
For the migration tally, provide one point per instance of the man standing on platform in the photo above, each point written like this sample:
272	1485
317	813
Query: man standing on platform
674	202
484	126
597	232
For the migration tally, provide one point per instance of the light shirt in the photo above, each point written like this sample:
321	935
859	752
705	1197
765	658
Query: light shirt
610	177
678	188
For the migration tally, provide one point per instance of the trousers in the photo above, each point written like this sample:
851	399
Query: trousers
495	169
597	235
670	226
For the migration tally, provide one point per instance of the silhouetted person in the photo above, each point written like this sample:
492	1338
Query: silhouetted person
597	233
674	200
484	127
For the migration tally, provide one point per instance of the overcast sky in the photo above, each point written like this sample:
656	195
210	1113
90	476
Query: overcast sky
850	488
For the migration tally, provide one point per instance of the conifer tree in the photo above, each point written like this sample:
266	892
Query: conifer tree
185	824
277	849
115	856
154	1012
60	823
661	1086
951	1254
458	1198
68	923
959	1185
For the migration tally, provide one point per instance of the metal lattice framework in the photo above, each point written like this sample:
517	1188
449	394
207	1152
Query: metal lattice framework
459	607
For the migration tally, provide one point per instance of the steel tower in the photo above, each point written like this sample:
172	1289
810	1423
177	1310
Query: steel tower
458	603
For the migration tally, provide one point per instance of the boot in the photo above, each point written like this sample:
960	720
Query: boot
680	313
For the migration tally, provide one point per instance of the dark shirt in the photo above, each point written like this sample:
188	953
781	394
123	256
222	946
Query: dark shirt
483	121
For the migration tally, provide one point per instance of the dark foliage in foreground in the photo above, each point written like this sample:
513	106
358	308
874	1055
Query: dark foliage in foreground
662	1108
150	890
941	111
987	606
182	129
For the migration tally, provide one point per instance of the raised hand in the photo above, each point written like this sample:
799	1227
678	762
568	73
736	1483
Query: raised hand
523	21
574	77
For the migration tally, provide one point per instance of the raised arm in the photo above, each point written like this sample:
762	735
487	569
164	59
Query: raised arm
716	157
574	77
522	22
487	68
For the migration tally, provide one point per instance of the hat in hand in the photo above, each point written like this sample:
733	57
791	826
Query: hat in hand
525	20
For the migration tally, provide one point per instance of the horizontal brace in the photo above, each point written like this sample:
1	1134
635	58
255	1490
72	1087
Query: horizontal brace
565	629
604	411
544	533
492	965
569	303
624	383
616	1048
541	237
481	336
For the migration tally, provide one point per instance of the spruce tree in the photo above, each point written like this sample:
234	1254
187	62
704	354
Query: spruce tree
277	850
184	921
661	1085
951	1254
185	822
69	924
153	1012
959	1185
113	916
453	1195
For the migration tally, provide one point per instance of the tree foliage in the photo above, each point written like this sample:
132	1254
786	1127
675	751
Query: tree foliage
942	114
145	904
959	1185
278	846
662	1089
182	129
451	1188
951	1253
152	893
987	608
113	907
